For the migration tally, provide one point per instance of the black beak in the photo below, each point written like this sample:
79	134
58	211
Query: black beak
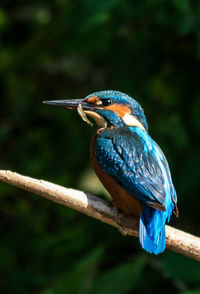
71	104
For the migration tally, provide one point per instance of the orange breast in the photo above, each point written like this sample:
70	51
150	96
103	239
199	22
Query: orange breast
121	198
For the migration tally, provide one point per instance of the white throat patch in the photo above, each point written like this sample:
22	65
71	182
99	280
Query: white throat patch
132	121
100	121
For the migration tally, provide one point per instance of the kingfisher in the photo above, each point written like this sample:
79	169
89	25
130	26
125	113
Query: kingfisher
129	163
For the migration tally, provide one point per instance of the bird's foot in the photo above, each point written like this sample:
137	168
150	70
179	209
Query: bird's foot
118	210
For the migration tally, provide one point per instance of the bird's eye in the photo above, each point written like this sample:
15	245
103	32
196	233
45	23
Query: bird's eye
106	102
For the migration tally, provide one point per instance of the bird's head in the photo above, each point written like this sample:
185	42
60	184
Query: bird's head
108	108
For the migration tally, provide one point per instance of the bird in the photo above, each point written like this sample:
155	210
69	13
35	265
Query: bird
129	163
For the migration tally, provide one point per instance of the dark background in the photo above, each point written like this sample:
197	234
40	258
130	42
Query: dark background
69	49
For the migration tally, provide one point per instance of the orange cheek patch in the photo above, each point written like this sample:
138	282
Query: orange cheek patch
94	100
119	109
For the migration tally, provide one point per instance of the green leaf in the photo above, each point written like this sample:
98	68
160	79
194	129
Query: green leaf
180	267
197	291
120	279
78	277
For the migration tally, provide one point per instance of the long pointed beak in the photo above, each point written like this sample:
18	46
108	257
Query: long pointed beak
71	104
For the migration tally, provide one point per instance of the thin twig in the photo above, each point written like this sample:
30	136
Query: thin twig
176	240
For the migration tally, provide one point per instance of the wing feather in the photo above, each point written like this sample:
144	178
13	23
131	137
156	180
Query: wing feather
132	159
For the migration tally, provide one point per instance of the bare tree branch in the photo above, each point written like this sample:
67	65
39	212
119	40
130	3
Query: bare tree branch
176	240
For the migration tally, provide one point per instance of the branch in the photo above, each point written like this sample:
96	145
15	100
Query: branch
176	240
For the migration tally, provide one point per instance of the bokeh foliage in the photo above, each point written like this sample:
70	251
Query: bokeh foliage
149	49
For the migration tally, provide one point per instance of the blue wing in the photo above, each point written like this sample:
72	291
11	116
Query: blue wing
136	162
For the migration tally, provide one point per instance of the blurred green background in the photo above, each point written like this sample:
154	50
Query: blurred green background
149	49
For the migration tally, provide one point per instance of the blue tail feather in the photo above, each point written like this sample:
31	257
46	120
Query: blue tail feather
152	230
